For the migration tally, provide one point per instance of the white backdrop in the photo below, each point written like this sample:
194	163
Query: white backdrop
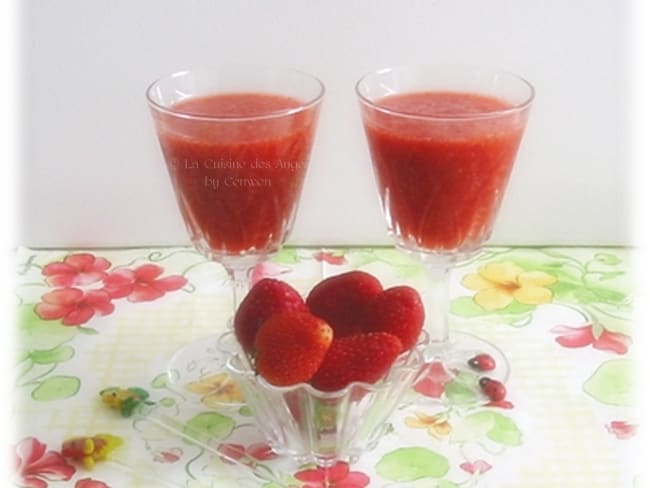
91	173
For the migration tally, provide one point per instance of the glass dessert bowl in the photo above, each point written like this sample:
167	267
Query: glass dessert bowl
310	425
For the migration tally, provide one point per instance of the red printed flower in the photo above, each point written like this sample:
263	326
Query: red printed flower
73	306
479	467
90	483
574	337
433	383
141	284
258	451
36	467
169	456
338	476
501	404
76	269
329	258
621	429
267	270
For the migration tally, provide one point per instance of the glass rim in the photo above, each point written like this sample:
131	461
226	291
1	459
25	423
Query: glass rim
304	106
447	117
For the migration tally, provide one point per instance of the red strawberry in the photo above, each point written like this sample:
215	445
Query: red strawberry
359	357
341	300
399	311
291	347
265	298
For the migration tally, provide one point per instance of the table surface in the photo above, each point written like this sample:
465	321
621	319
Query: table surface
92	320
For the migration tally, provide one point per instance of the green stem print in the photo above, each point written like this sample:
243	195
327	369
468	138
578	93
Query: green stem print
42	346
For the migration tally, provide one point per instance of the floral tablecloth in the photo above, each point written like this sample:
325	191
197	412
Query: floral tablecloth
109	320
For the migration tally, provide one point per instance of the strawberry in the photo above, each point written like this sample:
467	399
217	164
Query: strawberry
399	311
265	298
341	300
291	346
359	357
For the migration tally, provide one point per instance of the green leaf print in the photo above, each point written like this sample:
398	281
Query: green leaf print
613	383
395	258
208	427
56	355
461	390
493	425
607	258
286	255
504	431
56	388
513	314
360	257
466	307
412	463
472	427
245	411
167	402
160	381
36	334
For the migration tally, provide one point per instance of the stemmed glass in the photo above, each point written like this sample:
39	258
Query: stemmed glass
236	141
443	140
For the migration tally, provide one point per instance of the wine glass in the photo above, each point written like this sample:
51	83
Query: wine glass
443	140
236	141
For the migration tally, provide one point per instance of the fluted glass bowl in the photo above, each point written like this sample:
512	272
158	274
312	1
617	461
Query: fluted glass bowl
324	427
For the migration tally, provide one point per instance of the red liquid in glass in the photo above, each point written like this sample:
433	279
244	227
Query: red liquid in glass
442	179
237	179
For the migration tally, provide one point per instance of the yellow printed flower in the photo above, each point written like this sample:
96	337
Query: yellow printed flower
217	390
436	425
499	284
90	450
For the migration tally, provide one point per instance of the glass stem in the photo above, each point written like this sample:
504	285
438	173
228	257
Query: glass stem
439	303
240	281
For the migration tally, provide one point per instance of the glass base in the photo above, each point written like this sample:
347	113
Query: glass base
200	368
465	370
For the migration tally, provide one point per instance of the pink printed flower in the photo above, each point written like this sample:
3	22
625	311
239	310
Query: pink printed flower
338	476
479	467
330	258
621	429
258	451
76	269
261	451
73	306
574	337
613	341
267	270
36	467
90	483
500	404
433	383
231	452
170	456
141	284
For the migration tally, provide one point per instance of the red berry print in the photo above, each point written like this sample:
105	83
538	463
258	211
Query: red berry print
495	390
482	362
